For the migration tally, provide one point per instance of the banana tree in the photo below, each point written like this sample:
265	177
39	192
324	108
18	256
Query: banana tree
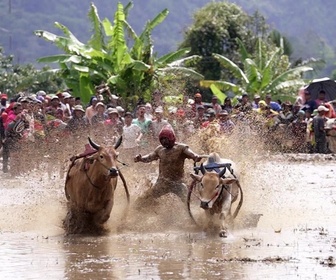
106	57
269	72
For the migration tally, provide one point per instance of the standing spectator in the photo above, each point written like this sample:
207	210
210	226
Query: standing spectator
54	106
158	123
309	104
78	121
197	102
90	110
319	131
215	105
121	112
66	101
78	101
275	106
113	123
299	132
3	102
210	119
331	113
131	135
149	111
321	98
99	118
144	124
14	127
286	116
255	102
225	123
200	116
244	105
228	105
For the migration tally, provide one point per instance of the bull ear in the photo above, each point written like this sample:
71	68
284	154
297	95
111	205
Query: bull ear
196	177
93	144
227	181
116	146
202	169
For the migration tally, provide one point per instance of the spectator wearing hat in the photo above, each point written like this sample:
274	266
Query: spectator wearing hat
331	113
90	110
121	112
113	123
225	123
159	122
215	105
99	118
319	130
54	106
131	136
286	115
255	102
67	106
78	122
61	99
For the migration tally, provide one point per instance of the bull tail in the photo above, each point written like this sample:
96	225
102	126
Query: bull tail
125	186
240	201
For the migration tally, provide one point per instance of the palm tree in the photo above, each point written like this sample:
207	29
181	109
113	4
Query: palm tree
268	73
106	57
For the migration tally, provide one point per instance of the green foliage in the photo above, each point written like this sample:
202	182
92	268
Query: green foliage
263	72
131	71
26	78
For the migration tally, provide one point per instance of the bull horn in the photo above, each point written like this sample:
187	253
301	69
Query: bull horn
118	143
222	172
202	169
93	144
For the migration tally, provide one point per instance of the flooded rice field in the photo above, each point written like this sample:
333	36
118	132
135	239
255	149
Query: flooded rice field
286	228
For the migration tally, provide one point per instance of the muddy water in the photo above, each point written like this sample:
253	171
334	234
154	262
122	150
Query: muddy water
286	230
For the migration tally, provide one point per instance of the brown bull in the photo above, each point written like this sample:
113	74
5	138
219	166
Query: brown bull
218	189
89	187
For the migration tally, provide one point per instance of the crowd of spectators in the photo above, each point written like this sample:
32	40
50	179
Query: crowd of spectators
45	118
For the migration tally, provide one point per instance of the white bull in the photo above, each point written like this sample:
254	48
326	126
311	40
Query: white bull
218	189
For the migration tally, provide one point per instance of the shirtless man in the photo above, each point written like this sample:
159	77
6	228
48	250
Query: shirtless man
171	167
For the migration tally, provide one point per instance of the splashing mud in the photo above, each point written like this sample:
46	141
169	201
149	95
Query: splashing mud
285	228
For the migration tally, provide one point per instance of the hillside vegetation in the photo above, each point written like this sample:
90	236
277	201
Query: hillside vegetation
306	23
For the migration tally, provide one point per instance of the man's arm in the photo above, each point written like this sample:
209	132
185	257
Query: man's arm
147	158
190	154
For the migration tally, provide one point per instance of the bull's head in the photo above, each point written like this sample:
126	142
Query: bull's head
106	157
211	184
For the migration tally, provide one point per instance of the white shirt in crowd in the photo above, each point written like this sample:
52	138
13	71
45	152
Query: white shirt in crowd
157	126
130	134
